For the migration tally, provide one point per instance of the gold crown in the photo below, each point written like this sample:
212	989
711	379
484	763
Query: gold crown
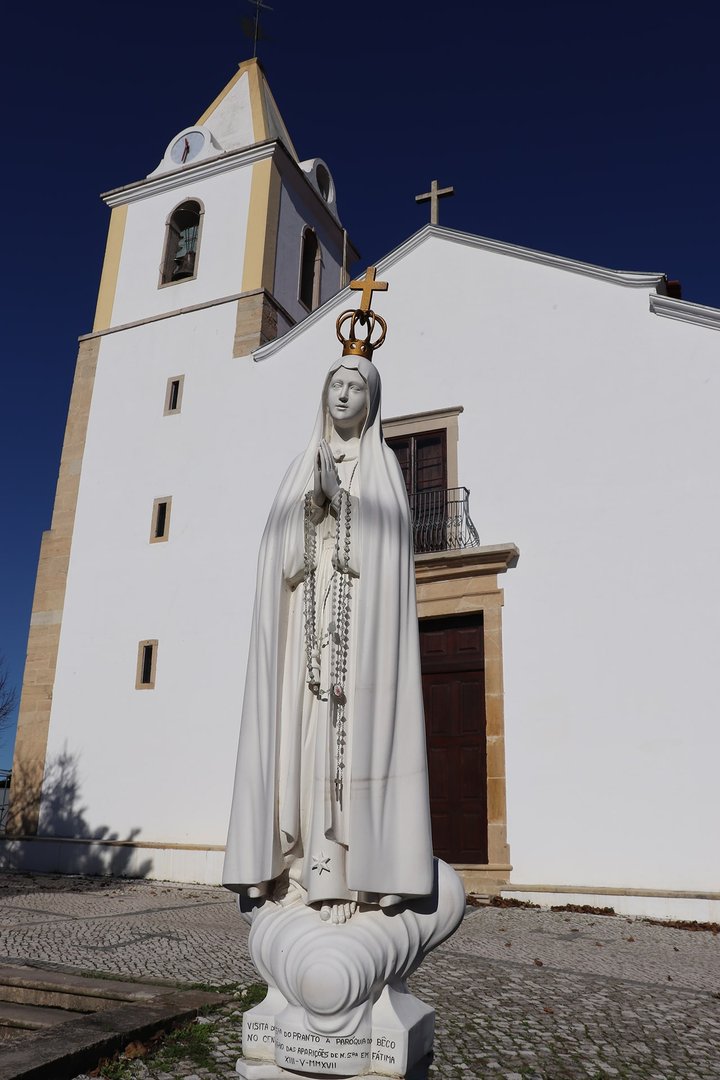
353	345
363	316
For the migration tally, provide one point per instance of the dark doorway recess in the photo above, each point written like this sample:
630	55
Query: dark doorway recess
453	678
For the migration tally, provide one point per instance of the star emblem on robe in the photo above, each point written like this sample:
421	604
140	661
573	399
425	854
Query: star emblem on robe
320	863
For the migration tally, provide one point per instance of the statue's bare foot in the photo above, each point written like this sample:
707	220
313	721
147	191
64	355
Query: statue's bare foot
256	892
390	900
290	892
252	897
341	911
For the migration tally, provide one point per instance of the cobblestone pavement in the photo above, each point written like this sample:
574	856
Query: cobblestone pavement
520	994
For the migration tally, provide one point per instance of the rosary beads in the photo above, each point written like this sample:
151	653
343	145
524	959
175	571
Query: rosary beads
339	629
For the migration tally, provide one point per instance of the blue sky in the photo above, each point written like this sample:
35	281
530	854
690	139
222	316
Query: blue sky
588	130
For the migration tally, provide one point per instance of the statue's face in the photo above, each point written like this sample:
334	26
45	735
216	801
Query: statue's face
347	399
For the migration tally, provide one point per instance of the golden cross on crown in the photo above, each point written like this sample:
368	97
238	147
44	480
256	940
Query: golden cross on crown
362	317
368	286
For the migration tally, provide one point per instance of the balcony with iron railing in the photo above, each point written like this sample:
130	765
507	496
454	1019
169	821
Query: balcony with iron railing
441	520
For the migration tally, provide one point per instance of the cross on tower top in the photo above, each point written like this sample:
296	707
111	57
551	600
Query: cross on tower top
251	27
434	195
368	286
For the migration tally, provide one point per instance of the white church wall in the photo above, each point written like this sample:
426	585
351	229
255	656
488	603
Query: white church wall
588	438
298	207
158	764
221	252
116	858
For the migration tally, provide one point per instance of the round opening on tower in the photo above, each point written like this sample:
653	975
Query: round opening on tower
323	181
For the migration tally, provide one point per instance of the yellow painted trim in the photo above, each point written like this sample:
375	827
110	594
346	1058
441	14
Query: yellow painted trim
261	240
273	224
111	268
30	753
257	105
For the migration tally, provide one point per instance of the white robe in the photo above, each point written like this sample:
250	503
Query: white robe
317	857
280	814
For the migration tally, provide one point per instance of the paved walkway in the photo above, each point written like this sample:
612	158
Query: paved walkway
519	994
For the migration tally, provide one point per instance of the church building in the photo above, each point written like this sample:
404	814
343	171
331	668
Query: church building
556	425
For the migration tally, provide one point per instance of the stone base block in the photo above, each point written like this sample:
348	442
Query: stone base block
260	1070
403	1028
255	1070
338	1003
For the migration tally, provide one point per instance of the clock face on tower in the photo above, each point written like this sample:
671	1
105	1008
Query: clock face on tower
187	147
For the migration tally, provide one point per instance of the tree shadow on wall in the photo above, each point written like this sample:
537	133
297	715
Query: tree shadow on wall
99	851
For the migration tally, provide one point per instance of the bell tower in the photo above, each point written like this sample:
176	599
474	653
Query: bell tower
230	215
229	242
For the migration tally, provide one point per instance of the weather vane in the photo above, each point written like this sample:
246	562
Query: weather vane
251	27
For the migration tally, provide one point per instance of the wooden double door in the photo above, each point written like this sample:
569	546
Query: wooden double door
453	676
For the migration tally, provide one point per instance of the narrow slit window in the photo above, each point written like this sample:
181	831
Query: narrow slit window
310	269
173	395
160	526
146	665
161	520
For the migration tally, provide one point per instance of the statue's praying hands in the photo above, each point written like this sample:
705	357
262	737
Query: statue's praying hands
326	482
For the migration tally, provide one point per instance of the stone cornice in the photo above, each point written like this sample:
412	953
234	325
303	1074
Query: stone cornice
630	278
470	562
626	278
155	185
612	890
187	310
227	160
90	840
430	414
683	311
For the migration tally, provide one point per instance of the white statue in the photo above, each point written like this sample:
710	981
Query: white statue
329	846
331	782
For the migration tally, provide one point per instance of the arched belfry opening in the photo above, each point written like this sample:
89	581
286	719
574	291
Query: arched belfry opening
310	269
182	242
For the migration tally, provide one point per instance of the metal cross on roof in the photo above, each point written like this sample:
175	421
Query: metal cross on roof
368	286
434	195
